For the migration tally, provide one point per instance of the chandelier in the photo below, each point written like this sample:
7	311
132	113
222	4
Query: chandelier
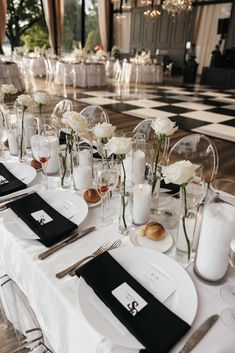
176	6
152	12
121	6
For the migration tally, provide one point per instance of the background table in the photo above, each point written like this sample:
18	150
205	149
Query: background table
10	74
80	75
141	73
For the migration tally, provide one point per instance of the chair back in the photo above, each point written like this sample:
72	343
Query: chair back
94	114
63	106
144	127
199	149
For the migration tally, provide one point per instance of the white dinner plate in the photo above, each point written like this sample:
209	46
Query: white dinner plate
138	239
183	302
69	205
23	172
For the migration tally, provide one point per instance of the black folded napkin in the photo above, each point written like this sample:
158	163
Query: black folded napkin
8	182
173	187
155	326
49	225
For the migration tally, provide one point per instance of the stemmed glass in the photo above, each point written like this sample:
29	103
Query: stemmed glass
228	295
102	178
41	149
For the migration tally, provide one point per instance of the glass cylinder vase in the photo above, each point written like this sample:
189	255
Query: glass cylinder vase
66	162
217	232
186	228
125	209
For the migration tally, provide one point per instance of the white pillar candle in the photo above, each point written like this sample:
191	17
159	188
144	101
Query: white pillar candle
128	166
12	142
53	164
138	167
85	158
141	203
82	177
29	127
217	231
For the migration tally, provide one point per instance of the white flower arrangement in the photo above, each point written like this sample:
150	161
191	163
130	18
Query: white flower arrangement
103	131
163	126
76	122
8	89
42	98
25	101
120	146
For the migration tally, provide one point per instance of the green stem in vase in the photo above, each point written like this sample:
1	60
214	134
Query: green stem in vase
68	150
184	218
160	140
22	134
123	195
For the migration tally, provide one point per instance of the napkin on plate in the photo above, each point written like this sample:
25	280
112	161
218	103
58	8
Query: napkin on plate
155	326
8	182
174	188
42	219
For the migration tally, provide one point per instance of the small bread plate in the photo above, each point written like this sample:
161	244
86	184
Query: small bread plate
69	205
140	240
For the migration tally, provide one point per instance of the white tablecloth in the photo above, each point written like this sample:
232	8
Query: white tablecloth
55	302
141	73
10	74
80	75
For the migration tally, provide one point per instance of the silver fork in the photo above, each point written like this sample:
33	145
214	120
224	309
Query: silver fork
104	247
114	245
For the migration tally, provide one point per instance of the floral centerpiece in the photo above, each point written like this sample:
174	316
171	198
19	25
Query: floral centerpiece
76	125
115	51
8	89
24	101
121	146
181	173
163	128
41	99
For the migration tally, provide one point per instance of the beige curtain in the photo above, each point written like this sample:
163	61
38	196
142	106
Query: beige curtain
3	11
54	24
104	13
205	31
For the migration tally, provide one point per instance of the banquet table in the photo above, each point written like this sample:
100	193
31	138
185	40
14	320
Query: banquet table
10	74
55	301
80	75
141	73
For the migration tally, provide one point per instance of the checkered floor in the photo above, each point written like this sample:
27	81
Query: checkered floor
197	108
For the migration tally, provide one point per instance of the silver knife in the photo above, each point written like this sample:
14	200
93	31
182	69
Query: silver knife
66	242
199	333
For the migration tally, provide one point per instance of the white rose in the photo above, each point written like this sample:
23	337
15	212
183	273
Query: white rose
179	173
25	100
8	89
104	130
163	126
119	145
76	122
42	98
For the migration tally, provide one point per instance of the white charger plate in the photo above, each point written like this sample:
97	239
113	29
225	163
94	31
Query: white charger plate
183	302
69	205
23	172
159	245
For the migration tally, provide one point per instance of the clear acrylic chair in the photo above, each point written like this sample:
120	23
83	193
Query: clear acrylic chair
144	127
199	149
21	331
94	114
65	105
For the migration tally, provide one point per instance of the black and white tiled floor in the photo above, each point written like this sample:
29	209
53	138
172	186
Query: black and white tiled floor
200	109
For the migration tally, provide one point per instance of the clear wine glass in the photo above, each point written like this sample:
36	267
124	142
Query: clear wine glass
228	294
102	178
41	149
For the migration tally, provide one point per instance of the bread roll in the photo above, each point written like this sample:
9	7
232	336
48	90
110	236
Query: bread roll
91	196
154	231
35	164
